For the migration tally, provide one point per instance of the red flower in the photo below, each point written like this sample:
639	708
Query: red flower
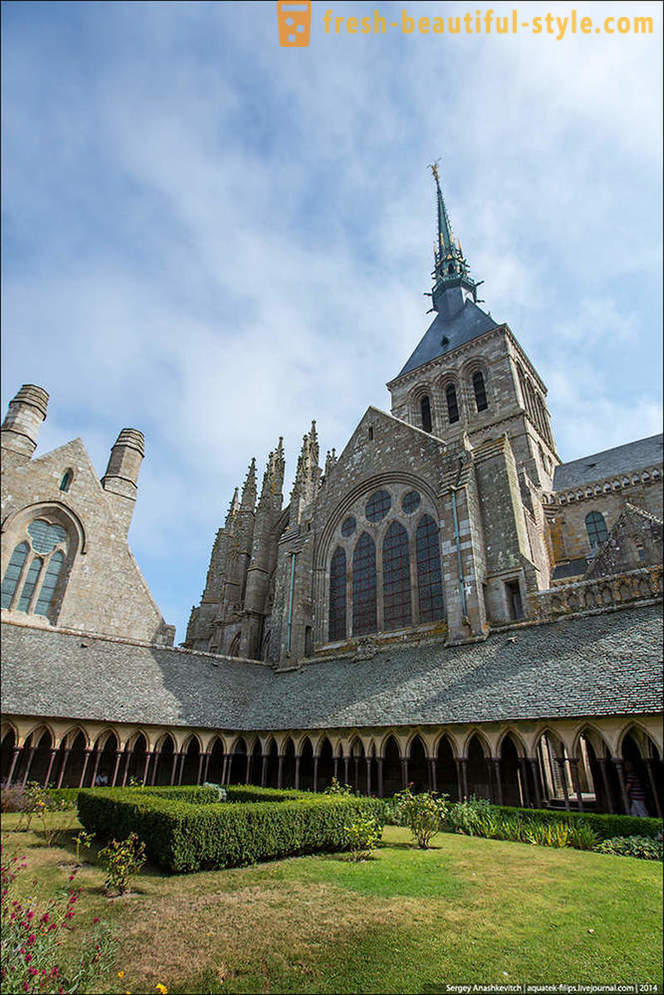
31	938
95	920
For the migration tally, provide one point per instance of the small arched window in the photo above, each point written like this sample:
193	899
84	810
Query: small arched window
480	391
596	529
13	573
452	404
425	410
67	478
364	586
337	626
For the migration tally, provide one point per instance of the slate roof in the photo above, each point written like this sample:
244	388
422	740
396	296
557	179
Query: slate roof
467	324
596	665
622	459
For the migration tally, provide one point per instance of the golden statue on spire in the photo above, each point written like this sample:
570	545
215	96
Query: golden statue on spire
433	166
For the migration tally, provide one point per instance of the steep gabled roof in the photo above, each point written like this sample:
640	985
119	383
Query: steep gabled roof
467	324
622	459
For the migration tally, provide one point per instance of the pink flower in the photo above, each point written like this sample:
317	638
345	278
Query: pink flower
95	920
31	938
28	958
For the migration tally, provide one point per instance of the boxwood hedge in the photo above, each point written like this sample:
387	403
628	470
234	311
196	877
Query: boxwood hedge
183	836
605	826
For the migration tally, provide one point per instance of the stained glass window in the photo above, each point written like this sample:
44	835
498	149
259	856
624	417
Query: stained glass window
48	584
13	572
596	529
396	578
378	506
29	584
452	404
425	409
337	629
480	391
45	536
410	502
364	585
429	575
348	526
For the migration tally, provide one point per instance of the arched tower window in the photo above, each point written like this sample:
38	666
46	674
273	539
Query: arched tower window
425	409
13	573
596	529
364	586
480	391
429	574
396	578
337	629
452	404
67	478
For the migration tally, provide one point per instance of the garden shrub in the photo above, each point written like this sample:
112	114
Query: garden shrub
122	859
181	836
423	814
632	846
604	825
363	835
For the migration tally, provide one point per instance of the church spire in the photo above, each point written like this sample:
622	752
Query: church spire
453	284
248	502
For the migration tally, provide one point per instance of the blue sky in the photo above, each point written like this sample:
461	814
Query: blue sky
214	239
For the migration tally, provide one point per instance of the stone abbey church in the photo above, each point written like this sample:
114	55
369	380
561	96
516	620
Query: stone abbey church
444	602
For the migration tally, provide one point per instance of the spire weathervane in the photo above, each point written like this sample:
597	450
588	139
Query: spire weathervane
451	271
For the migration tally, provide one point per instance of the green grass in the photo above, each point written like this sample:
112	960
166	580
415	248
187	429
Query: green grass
468	911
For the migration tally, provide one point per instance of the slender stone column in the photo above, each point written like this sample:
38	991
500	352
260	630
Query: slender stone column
534	770
379	766
650	763
155	766
297	773
32	751
495	763
563	779
205	767
118	755
85	767
367	761
201	758
523	767
146	766
619	762
457	764
128	753
464	775
433	785
176	757
315	784
356	773
336	768
280	772
96	766
50	767
225	769
574	767
15	755
602	761
346	759
63	767
404	772
264	769
248	769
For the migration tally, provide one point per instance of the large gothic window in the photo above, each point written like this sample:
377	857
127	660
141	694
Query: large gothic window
30	580
480	391
429	575
338	595
396	578
452	404
364	586
596	529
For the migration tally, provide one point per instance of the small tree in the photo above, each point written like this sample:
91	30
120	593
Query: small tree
363	835
423	814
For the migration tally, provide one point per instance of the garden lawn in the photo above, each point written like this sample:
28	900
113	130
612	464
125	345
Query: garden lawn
468	911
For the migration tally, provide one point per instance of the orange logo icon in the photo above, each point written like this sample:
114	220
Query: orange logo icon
294	20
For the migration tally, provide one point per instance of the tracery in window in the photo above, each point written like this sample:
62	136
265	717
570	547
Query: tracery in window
410	502
348	526
13	573
396	578
425	409
452	404
29	584
429	574
480	391
596	529
337	626
378	506
45	536
48	584
364	586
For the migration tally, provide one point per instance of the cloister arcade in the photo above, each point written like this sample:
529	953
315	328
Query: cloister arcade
570	765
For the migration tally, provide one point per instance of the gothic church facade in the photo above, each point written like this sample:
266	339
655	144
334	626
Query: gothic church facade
445	601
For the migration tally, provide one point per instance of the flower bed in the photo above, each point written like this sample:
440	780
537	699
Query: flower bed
183	836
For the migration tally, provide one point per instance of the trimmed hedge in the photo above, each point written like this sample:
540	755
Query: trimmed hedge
253	793
182	837
191	793
606	826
